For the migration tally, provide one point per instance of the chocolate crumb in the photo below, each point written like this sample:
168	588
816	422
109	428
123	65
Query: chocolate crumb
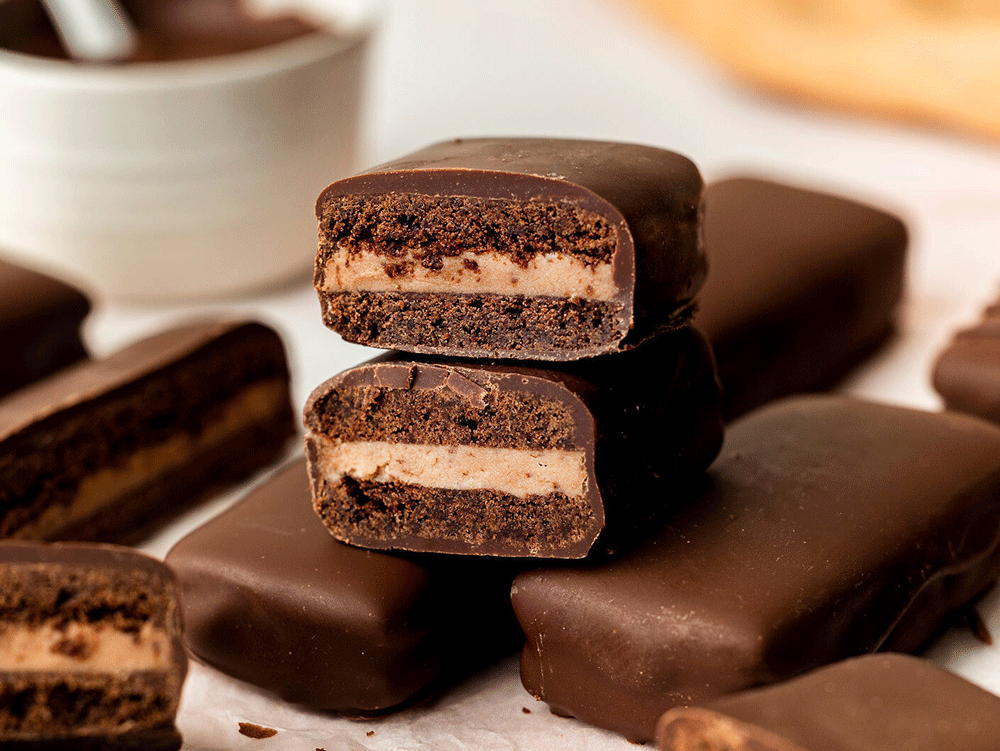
525	710
370	733
251	730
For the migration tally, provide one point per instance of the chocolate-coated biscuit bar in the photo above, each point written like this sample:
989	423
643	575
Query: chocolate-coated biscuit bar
885	701
802	286
90	648
509	459
967	373
272	599
106	449
828	528
541	249
40	321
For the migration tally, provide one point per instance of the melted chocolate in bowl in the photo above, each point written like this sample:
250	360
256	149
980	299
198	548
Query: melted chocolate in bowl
168	29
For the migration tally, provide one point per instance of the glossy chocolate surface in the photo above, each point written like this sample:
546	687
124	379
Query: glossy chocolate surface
167	29
647	421
802	286
967	373
271	598
651	197
873	703
828	528
40	320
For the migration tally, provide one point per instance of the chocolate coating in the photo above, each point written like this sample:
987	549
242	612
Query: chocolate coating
40	321
109	449
802	286
827	528
271	598
643	199
76	687
967	373
887	701
645	424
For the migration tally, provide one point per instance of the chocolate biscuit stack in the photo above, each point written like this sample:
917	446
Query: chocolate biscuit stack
545	289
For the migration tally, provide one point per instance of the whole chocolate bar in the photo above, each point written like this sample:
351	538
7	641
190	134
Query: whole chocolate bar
886	701
40	321
967	373
90	648
541	249
802	286
109	448
272	599
486	458
828	528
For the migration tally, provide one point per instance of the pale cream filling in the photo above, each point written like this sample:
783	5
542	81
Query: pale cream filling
92	648
103	487
517	472
548	274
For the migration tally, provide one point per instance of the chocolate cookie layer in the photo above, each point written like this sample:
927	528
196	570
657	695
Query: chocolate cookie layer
967	373
90	648
272	599
108	448
803	286
40	321
504	459
888	701
517	248
828	528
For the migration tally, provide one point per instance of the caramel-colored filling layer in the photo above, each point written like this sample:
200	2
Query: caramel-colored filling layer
517	472
91	647
252	404
547	274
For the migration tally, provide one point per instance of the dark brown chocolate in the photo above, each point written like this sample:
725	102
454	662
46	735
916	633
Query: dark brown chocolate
802	287
166	29
486	458
890	701
542	249
967	373
828	528
108	449
91	651
40	320
271	598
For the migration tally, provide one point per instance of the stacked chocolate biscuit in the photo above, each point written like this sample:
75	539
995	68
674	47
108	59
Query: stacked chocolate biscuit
546	290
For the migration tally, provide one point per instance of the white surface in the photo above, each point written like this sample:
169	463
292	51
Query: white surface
589	68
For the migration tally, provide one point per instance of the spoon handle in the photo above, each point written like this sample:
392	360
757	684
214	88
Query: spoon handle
93	30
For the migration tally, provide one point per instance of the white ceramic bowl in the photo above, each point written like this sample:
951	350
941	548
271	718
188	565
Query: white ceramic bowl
181	179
